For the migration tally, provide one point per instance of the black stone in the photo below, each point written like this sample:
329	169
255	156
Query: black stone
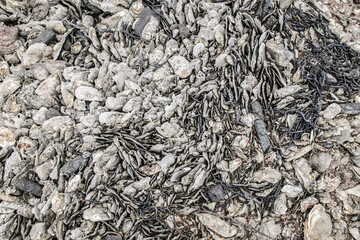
30	187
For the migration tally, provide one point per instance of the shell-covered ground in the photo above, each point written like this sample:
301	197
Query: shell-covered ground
186	119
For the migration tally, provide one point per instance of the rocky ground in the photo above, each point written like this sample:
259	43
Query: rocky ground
181	119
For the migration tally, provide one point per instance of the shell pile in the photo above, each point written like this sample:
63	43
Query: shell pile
186	119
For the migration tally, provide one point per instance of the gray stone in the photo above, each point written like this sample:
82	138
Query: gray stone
292	191
262	134
88	94
147	23
38	231
304	173
73	166
354	191
216	193
350	108
36	53
281	55
257	110
39	117
268	175
181	66
331	111
96	214
320	161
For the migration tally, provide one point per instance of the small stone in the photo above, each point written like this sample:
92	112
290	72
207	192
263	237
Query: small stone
30	187
181	66
9	86
262	135
38	231
146	25
198	50
88	94
168	130
321	161
354	230
110	118
268	175
167	162
281	55
7	137
73	166
331	111
8	35
44	170
287	91
350	108
216	193
96	215
304	173
217	225
318	224
285	4
57	26
36	53
292	191
39	117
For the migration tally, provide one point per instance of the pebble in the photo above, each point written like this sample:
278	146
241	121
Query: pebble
96	214
354	230
30	187
36	53
262	134
280	207
304	173
320	161
181	66
7	137
350	108
216	193
38	231
88	94
281	55
292	191
331	111
168	130
268	175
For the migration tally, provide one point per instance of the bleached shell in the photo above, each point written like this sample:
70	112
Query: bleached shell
88	94
217	225
35	53
318	224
